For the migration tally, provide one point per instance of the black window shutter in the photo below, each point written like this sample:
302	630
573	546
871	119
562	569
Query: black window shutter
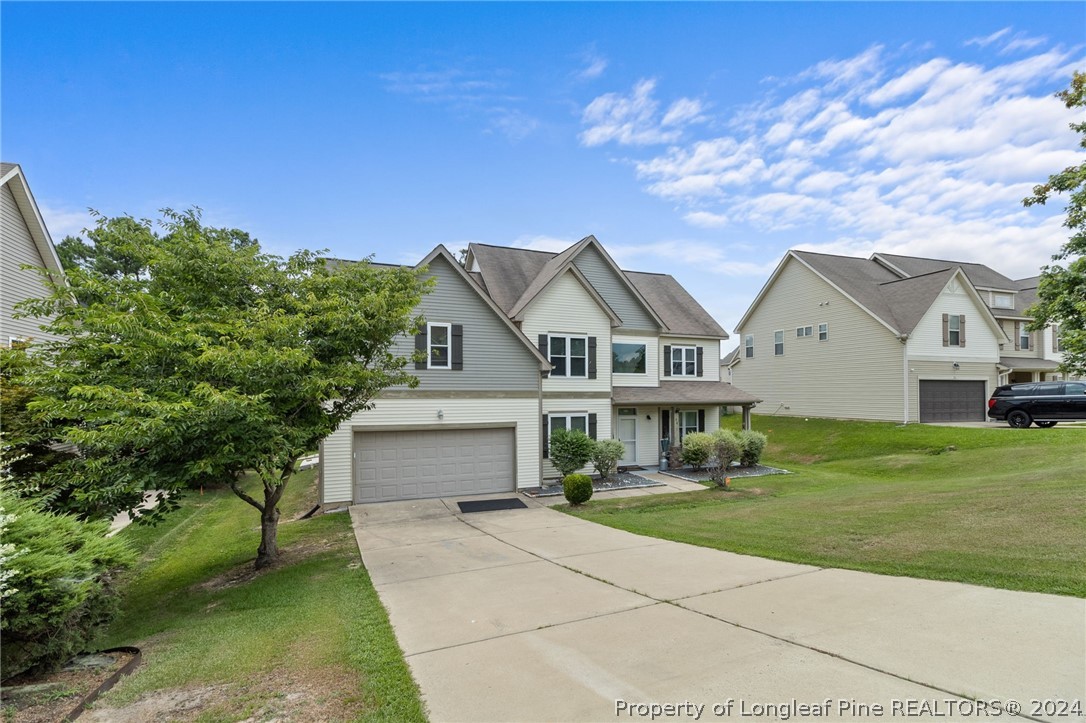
457	347
701	420
420	345
543	347
592	425
667	361
546	438
591	357
701	365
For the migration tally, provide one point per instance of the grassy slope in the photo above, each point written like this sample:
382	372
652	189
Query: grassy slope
1006	509
314	616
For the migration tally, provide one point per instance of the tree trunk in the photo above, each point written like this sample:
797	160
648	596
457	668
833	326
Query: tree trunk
269	536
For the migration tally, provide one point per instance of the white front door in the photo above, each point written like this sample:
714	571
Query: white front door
627	434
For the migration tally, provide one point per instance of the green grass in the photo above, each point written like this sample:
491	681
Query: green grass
1006	508
313	622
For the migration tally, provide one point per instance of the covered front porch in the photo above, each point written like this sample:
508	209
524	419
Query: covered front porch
648	420
1014	370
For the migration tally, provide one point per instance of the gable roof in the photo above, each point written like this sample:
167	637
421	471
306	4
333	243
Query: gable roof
896	301
11	175
515	277
441	252
979	275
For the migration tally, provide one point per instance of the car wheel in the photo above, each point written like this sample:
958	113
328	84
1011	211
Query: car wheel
1019	419
1046	425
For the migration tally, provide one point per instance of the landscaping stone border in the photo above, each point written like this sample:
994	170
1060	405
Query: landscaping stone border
618	481
758	470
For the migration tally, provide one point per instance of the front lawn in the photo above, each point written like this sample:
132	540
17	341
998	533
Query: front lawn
305	640
997	507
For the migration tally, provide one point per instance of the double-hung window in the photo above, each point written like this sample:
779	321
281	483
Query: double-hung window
569	356
778	343
439	341
954	330
748	346
688	422
684	361
1023	337
823	332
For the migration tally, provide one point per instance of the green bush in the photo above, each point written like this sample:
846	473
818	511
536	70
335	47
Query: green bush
570	450
726	448
58	587
753	444
577	488
697	449
605	456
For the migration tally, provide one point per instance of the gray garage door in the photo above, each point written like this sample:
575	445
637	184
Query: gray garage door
952	401
432	463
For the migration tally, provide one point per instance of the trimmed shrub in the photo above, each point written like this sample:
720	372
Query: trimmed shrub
605	456
570	450
753	444
58	587
697	449
577	488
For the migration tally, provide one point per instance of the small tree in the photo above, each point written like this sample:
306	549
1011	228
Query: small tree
570	450
605	456
726	448
577	488
752	444
200	357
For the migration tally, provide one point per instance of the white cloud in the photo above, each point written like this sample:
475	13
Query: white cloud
1007	42
543	242
705	219
634	119
594	65
988	39
63	221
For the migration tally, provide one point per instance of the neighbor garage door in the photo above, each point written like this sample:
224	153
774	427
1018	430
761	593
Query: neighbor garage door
432	463
952	401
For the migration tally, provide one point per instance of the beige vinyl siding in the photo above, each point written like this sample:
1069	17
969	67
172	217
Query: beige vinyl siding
17	284
981	342
566	308
613	290
942	369
600	407
710	357
494	358
522	413
651	377
855	374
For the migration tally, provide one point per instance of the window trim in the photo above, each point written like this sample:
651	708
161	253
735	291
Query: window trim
824	331
1002	294
680	426
684	361
954	320
804	331
748	346
568	356
1024	337
430	345
644	357
778	343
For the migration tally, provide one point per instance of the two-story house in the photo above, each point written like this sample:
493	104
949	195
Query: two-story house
24	241
521	343
888	337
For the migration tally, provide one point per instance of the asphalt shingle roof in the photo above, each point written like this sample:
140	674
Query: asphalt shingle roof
683	393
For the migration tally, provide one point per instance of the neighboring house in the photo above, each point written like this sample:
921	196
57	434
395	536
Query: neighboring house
521	343
24	240
888	337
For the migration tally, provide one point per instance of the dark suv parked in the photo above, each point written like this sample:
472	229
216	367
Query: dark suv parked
1042	402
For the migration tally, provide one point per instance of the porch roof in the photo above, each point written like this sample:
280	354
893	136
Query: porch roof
1028	364
684	393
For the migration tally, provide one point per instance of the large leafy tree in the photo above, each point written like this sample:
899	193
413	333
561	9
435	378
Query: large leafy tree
204	357
1061	293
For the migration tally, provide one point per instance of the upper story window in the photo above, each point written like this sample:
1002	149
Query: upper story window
748	346
684	361
1002	301
823	332
1023	337
569	356
628	358
802	331
1057	342
439	342
778	343
954	329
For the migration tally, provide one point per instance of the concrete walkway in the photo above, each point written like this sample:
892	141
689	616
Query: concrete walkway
533	615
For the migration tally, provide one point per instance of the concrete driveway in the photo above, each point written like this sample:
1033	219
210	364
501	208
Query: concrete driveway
533	615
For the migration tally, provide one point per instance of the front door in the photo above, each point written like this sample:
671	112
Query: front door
627	434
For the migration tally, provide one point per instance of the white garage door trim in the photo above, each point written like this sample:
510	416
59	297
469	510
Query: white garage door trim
406	462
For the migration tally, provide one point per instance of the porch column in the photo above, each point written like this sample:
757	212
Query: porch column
746	417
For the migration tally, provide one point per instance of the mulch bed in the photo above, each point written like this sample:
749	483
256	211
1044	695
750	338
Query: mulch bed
619	481
702	475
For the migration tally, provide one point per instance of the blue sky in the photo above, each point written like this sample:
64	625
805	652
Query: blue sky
701	140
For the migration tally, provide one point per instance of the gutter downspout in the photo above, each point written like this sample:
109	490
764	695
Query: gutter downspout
904	339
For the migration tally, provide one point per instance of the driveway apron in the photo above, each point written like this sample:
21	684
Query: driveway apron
533	615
